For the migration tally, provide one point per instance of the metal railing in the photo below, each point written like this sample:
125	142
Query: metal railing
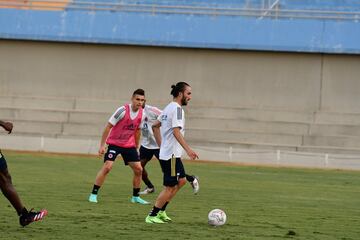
272	12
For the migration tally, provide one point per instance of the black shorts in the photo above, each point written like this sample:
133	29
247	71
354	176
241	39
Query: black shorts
147	154
128	154
173	170
3	165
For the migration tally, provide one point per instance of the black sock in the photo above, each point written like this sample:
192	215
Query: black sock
189	178
22	212
136	192
154	212
148	183
95	189
164	207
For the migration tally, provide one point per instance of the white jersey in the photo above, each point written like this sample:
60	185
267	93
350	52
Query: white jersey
120	113
151	115
172	116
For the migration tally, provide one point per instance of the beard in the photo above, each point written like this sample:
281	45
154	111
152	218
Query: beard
184	102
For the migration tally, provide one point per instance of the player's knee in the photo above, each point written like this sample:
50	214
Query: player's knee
2	180
107	168
5	178
170	189
181	182
138	170
5	183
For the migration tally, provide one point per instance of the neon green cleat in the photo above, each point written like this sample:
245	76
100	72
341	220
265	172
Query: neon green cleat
93	198
139	200
163	216
153	219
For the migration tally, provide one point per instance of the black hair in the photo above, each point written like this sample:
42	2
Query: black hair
139	91
178	88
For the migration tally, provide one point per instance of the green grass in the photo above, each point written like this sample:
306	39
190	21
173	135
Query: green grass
260	202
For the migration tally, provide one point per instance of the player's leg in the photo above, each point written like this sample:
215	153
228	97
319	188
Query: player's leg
137	170
158	214
174	179
145	178
109	159
100	179
131	158
194	182
10	193
103	172
180	181
145	156
164	195
181	178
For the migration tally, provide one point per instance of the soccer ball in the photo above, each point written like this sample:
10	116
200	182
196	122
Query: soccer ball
216	217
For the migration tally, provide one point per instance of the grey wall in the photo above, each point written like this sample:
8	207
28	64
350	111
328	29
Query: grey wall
341	84
294	81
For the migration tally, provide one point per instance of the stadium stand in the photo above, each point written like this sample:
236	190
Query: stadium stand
74	124
84	119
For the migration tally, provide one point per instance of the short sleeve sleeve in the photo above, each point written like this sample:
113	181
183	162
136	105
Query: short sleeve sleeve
117	116
160	118
154	113
177	118
141	125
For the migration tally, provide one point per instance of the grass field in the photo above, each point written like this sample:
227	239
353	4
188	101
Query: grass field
260	202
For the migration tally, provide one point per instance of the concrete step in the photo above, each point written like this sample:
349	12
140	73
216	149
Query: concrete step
88	144
274	147
243	137
212	153
110	105
23	114
49	144
241	125
238	145
37	102
337	118
99	105
80	129
334	130
329	150
89	117
332	141
6	114
250	114
37	127
53	115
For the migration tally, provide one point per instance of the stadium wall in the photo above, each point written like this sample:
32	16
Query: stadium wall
220	78
267	108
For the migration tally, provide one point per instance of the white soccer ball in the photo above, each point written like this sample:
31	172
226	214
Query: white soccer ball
216	217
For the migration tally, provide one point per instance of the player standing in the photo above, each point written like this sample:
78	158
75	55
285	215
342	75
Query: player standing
25	217
169	134
149	148
122	137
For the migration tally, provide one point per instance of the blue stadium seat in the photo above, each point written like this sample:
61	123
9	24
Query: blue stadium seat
334	5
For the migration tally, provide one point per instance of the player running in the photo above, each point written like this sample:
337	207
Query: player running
169	134
149	148
25	217
122	137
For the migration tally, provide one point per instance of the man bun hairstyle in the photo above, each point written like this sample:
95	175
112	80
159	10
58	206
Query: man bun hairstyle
178	88
139	91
